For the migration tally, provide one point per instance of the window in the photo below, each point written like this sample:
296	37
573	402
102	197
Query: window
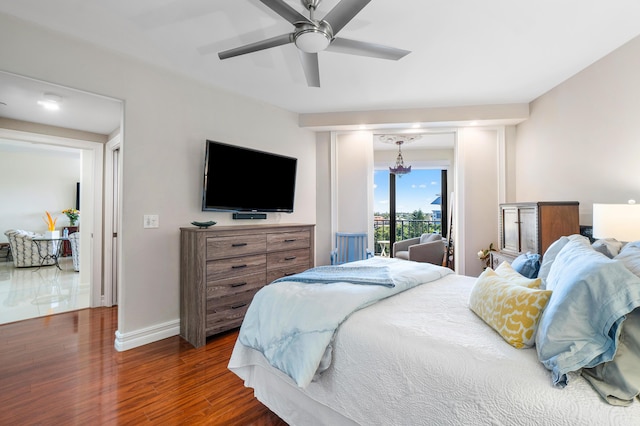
415	204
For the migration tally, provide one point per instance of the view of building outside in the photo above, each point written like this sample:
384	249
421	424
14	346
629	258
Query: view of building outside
417	205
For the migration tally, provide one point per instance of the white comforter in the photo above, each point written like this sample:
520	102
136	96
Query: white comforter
292	322
423	358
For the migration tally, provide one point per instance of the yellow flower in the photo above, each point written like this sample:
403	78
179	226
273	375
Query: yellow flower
50	221
72	214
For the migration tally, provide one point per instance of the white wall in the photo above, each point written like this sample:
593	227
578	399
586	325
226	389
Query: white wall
324	239
354	186
477	192
33	180
582	141
167	119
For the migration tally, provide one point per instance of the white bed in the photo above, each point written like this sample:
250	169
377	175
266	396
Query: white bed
423	357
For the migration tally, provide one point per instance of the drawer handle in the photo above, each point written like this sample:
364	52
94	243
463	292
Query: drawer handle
288	274
238	244
238	284
290	258
238	266
238	306
290	240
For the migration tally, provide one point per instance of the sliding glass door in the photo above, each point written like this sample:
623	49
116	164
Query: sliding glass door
407	206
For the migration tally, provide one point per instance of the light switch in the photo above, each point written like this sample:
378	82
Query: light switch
151	221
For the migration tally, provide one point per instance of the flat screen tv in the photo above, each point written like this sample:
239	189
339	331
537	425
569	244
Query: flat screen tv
238	179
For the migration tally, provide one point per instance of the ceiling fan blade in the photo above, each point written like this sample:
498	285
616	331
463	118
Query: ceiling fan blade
344	12
311	68
362	48
259	45
286	11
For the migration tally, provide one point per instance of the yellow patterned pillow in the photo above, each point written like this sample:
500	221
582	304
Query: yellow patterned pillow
512	310
505	270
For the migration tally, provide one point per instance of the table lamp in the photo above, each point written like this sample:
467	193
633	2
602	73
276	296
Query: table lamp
619	221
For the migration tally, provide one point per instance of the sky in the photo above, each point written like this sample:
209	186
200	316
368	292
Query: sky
414	191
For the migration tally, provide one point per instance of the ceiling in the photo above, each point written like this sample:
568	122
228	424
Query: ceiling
79	110
464	52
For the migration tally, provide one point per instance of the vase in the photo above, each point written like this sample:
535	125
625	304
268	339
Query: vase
52	234
72	222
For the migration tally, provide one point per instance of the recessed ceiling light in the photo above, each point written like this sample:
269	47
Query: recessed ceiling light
50	101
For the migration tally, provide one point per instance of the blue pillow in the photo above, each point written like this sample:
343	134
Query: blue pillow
527	264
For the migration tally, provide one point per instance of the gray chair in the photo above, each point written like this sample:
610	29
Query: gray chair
26	252
427	248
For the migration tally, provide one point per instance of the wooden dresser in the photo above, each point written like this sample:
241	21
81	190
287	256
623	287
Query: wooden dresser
221	268
533	227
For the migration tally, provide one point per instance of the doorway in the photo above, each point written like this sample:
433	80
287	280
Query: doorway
88	122
407	206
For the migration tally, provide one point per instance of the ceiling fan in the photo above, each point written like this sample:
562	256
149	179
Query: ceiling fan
312	36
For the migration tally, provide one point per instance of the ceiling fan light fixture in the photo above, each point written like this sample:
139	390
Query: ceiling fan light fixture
312	40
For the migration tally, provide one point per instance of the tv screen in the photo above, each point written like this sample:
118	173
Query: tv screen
246	180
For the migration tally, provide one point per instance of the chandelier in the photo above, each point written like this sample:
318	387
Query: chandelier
399	168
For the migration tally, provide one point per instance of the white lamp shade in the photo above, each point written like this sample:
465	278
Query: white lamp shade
619	221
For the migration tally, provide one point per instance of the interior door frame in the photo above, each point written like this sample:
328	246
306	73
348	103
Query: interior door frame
96	150
112	179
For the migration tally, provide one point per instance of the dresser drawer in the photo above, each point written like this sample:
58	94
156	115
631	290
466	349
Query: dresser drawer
288	258
219	247
274	274
288	240
228	286
224	313
235	267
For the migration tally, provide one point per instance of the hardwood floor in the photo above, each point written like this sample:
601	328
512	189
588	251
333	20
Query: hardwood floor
63	370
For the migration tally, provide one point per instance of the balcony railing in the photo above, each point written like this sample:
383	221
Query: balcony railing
405	229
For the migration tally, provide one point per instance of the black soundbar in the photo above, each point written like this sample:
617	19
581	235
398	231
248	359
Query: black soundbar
249	215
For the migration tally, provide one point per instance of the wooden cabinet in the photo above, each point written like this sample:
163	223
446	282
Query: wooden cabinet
497	257
533	227
221	268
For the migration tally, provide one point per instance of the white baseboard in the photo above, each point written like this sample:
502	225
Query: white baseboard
126	341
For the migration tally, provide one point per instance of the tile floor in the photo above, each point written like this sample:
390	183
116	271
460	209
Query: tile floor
32	292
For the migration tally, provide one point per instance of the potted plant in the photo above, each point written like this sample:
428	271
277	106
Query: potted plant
50	221
73	216
483	255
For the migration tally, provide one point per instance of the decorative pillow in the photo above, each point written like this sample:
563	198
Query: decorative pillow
527	264
618	381
511	310
630	256
610	247
425	238
579	328
505	270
